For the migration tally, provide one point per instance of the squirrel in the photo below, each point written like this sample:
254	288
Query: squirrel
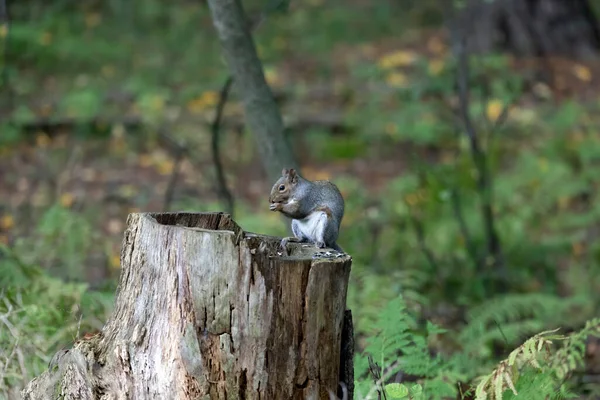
316	209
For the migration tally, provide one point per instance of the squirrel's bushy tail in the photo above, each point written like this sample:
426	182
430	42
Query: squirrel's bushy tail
335	246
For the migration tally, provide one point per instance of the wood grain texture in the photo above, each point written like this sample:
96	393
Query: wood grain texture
207	311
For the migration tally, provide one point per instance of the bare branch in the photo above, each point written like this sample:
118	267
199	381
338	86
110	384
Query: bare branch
222	190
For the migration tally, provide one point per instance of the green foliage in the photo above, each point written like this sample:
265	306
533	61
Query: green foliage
61	240
533	370
40	314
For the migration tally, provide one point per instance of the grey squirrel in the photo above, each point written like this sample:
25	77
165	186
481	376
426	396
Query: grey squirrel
316	209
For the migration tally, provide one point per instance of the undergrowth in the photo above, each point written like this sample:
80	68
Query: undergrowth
398	361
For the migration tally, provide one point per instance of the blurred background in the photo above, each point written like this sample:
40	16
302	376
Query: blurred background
471	185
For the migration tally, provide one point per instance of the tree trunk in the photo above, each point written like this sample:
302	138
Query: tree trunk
261	111
207	311
533	27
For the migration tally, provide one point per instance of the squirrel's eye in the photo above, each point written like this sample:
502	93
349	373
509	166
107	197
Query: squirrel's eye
281	187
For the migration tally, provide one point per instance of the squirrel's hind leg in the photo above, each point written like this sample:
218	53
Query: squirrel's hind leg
298	237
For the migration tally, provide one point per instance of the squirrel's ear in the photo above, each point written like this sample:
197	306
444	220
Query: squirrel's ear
292	175
284	172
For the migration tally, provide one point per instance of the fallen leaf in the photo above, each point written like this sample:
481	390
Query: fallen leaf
563	202
398	58
42	140
578	249
272	76
202	102
396	79
582	72
115	261
7	222
67	199
494	109
127	191
436	66
165	167
435	45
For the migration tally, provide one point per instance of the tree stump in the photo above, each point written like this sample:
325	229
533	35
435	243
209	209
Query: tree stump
205	310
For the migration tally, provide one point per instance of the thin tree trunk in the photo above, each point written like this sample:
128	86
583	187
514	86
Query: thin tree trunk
207	311
261	111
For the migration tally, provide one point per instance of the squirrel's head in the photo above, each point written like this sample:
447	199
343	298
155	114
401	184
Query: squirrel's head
284	186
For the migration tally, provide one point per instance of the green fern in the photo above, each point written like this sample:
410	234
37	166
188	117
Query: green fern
533	371
396	346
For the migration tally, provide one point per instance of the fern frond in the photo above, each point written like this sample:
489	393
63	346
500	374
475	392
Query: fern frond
506	374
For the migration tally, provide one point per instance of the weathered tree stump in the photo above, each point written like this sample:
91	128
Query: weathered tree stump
205	310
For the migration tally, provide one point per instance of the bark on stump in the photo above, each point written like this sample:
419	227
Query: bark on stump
207	311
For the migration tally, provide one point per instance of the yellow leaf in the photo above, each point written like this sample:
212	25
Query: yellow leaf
45	38
582	72
398	58
115	261
67	199
165	167
435	45
577	249
127	191
563	202
272	77
396	79
3	30
204	101
210	97
436	66
42	140
494	109
7	222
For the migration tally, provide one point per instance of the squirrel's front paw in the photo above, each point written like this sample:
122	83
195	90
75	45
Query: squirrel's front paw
320	245
283	246
275	206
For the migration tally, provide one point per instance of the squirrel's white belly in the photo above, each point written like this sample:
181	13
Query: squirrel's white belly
313	226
